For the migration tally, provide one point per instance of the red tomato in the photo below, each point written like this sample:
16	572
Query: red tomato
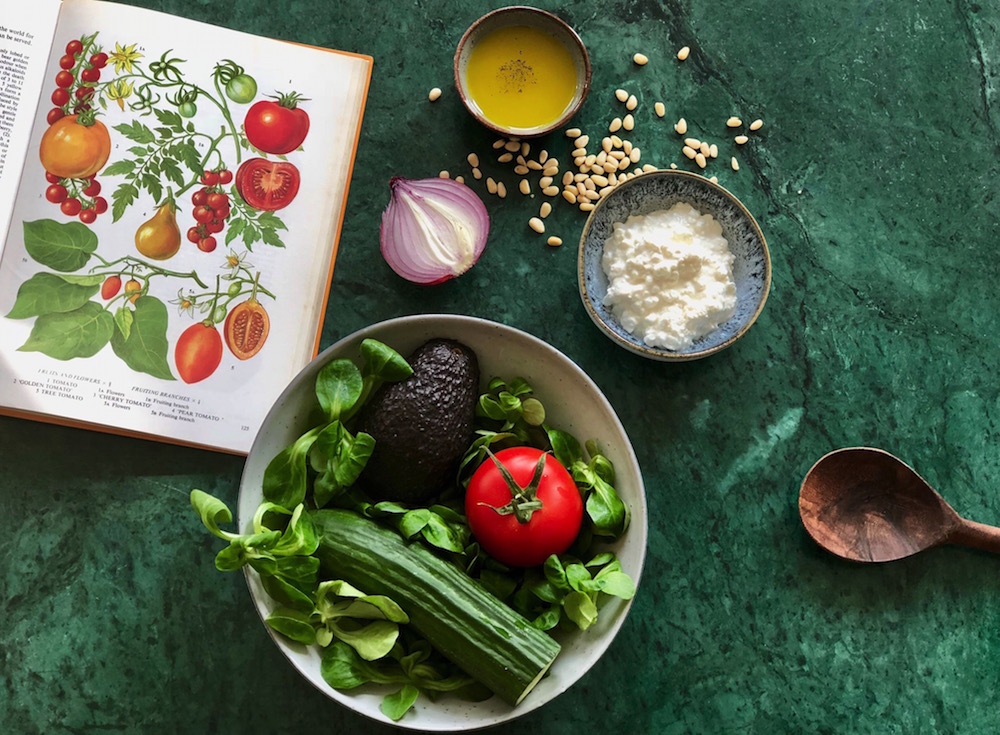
267	185
101	205
198	352
56	193
550	529
87	216
276	127
111	286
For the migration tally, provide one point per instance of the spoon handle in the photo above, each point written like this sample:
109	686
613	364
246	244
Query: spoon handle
977	535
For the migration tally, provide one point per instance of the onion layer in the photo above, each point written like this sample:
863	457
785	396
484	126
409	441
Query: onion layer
433	229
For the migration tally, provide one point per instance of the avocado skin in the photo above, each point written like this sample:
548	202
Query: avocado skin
422	425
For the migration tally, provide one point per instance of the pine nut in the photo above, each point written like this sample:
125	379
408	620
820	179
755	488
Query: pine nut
525	148
520	160
534	165
733	122
512	145
673	165
586	206
688	151
681	126
627	146
569	196
741	139
683	53
545	210
647	167
525	187
659	109
537	225
617	155
551	168
577	152
597	168
604	191
606	144
611	166
491	185
545	181
477	174
640	59
460	179
591	159
582	141
693	142
554	241
613	179
473	159
581	188
505	158
521	170
621	95
599	180
543	156
577	178
499	143
444	175
574	133
567	178
551	191
629	122
734	163
601	158
699	158
632	103
615	125
757	124
714	179
623	164
616	141
501	190
434	94
592	195
705	148
579	161
635	155
589	184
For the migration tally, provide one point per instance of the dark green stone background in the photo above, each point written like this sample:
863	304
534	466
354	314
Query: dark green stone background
874	180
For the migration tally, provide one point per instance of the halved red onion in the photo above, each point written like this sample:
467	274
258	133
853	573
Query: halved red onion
433	229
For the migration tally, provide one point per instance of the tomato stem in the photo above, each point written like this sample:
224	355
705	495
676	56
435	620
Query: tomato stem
524	500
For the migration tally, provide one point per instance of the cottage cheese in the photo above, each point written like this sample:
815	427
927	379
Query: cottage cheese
670	276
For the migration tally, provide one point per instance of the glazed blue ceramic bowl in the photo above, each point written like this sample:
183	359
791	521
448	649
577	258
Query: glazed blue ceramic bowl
659	190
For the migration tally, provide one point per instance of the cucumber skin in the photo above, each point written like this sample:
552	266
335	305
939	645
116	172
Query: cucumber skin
471	627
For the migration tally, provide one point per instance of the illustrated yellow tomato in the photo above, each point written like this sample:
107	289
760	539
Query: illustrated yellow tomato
71	150
159	237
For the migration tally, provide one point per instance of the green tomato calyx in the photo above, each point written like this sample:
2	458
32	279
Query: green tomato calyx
523	500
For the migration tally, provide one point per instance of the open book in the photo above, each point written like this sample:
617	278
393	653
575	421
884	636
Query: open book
171	194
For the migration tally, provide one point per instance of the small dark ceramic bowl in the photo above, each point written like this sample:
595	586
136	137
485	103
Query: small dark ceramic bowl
658	190
520	15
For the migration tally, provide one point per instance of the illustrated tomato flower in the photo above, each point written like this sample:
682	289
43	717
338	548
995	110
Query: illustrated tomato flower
185	303
119	90
123	57
233	262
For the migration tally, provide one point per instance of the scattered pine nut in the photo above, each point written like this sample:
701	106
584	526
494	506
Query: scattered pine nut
589	183
607	145
627	147
635	155
434	94
599	180
574	133
537	225
567	178
460	179
616	141
734	163
714	179
681	126
640	59
501	190
589	161
611	166
505	158
647	167
621	95
582	141
534	165
741	139
660	109
444	175
552	169
623	164
632	103
473	159
578	152
733	122
601	158
491	185
592	195
551	191
706	149
543	156
545	181
693	142
629	122
525	148
577	178
477	174
713	150
520	160
689	151
525	187
586	206
544	210
757	124
618	155
673	165
699	158
615	125
569	195
512	145
554	241
684	53
521	170
499	143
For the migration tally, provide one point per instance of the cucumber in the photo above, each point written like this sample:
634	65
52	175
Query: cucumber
470	626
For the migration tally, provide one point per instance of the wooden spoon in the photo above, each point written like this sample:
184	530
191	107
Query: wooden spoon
864	504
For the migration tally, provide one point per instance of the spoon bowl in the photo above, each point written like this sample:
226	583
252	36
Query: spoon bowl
866	505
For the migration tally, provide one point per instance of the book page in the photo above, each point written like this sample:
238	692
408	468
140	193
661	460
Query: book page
25	37
171	245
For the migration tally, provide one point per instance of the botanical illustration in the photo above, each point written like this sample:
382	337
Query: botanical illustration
235	177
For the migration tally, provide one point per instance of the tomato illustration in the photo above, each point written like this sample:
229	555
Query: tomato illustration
523	524
246	328
73	150
159	237
277	127
267	185
111	286
133	290
241	89
198	352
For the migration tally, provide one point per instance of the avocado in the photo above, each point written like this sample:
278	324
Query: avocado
422	425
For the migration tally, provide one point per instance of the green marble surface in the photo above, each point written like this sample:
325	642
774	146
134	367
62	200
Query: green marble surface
874	180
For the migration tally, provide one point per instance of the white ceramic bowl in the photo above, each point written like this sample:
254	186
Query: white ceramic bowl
572	402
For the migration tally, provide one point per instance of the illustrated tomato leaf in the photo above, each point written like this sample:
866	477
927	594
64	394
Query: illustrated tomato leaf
270	237
122	197
136	132
189	156
151	182
170	118
47	293
270	221
173	171
139	150
235	229
145	347
123	320
63	247
65	336
119	168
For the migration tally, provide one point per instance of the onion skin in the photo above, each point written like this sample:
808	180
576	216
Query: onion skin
433	229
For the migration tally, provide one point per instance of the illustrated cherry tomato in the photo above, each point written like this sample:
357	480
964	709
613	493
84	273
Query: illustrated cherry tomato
206	244
198	352
194	235
60	96
133	289
241	89
222	214
203	215
67	62
64	79
210	178
74	47
71	207
246	327
510	539
199	198
101	205
71	150
90	74
187	109
267	185
217	200
83	93
99	60
215	226
110	287
87	216
55	114
93	188
52	178
276	127
56	193
225	176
